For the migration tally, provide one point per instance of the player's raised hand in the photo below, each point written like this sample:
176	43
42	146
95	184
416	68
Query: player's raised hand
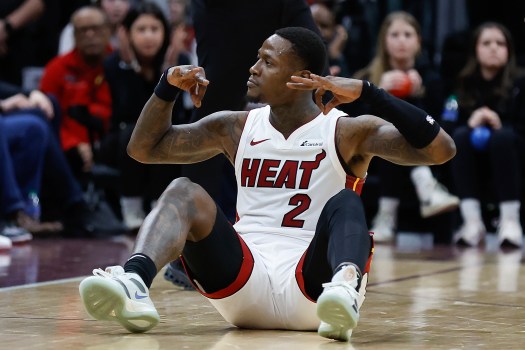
189	78
344	90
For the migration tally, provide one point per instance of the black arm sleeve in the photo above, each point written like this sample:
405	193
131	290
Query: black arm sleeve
418	128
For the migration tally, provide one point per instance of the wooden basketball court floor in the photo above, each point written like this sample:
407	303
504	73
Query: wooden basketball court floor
419	297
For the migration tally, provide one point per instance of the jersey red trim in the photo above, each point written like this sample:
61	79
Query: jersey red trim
299	277
299	269
240	281
354	183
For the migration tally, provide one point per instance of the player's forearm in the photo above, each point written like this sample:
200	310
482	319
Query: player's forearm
418	128
152	126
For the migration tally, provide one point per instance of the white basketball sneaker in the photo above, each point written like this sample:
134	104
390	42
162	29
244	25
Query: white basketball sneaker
115	295
439	201
338	306
384	227
470	233
5	243
510	233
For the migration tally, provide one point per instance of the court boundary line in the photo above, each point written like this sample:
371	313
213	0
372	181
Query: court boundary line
42	284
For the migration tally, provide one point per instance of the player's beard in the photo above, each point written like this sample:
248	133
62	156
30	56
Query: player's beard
253	99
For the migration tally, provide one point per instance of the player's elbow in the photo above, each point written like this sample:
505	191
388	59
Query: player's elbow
136	152
447	151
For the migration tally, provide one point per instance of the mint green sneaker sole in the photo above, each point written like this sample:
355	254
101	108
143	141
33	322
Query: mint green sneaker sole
338	314
105	300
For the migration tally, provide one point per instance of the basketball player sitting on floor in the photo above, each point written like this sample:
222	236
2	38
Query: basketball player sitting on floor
298	256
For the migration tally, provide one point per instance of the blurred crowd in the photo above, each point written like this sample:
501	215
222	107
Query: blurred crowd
75	74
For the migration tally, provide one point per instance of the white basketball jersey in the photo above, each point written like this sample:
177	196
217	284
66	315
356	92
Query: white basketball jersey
283	184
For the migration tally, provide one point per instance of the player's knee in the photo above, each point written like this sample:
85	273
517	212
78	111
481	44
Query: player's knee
346	200
182	189
346	195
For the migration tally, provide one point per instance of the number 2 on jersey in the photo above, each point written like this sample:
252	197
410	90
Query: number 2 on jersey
302	202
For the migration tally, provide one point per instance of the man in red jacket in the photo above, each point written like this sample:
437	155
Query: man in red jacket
76	79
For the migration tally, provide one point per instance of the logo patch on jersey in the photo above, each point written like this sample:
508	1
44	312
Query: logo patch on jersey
312	143
253	142
430	120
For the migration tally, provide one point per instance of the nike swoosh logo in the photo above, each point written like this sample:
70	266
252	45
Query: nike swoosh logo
354	306
253	142
138	296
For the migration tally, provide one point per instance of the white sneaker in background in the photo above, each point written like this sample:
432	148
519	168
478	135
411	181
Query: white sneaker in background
439	201
5	243
510	232
132	212
338	306
114	295
16	234
471	233
384	227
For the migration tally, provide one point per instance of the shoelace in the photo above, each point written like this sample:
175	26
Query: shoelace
101	273
112	272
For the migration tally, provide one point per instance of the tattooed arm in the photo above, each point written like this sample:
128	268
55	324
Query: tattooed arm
156	140
367	136
404	135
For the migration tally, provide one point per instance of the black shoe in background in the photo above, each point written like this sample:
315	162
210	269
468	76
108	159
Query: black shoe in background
96	221
175	274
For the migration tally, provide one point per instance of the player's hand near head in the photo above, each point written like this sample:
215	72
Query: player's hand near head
189	78
344	90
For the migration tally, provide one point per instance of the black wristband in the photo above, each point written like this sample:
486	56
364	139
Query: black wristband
164	90
418	128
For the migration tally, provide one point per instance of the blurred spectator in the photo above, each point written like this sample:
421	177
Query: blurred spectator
16	45
77	81
490	92
147	32
182	32
115	10
59	194
24	138
395	68
334	35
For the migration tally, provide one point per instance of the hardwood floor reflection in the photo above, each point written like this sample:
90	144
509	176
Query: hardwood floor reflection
419	296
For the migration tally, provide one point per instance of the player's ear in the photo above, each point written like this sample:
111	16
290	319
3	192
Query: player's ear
303	73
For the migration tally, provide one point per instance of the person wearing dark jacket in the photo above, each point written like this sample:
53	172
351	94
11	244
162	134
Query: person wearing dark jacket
490	91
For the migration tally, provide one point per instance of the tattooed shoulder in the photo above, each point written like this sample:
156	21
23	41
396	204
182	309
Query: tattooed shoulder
228	125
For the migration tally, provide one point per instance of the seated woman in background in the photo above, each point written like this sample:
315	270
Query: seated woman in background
131	85
490	93
396	69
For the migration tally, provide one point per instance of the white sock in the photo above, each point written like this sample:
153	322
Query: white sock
424	181
388	206
131	205
348	273
509	211
470	210
154	203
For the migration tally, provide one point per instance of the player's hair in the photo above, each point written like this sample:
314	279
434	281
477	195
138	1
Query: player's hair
308	46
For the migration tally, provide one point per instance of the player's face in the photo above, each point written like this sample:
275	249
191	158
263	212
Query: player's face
491	49
273	69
